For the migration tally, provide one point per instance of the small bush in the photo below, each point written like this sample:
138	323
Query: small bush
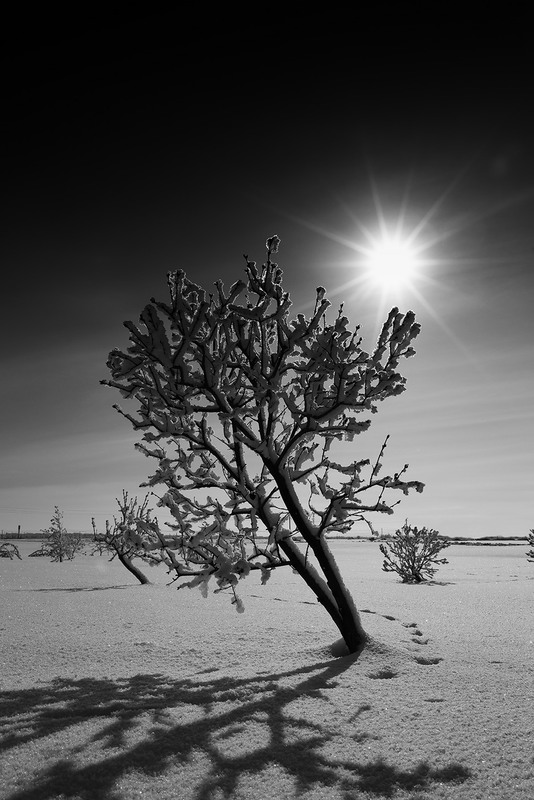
412	553
59	544
9	550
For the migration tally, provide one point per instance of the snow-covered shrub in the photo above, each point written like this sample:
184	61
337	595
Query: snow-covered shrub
9	550
412	552
59	545
245	409
118	538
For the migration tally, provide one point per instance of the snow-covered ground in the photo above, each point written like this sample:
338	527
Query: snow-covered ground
112	690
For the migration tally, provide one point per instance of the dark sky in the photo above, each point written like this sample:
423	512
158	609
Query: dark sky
132	150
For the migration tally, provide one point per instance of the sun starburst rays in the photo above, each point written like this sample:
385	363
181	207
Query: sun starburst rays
408	254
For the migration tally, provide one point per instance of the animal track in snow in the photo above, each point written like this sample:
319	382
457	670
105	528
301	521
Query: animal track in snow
416	636
382	674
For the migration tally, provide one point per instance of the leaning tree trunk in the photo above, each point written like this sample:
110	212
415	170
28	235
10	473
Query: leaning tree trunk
334	595
141	577
329	588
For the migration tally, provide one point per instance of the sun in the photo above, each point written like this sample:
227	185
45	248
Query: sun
391	261
393	254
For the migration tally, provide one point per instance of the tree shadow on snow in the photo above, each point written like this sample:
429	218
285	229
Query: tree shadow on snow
233	727
81	588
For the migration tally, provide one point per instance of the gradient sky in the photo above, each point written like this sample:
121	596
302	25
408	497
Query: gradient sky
122	165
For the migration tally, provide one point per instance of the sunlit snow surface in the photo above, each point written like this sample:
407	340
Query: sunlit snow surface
114	690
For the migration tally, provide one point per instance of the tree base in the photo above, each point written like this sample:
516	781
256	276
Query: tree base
339	649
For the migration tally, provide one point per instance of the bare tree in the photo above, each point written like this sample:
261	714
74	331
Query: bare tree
242	409
412	552
116	537
59	545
